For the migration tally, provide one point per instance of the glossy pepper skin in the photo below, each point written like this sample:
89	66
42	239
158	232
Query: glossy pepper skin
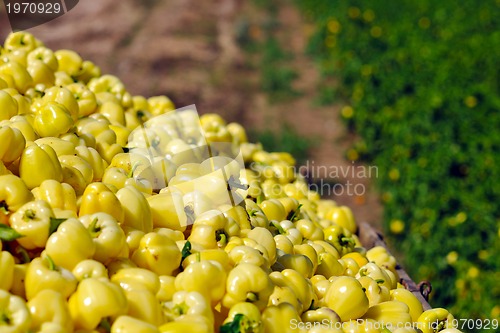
7	268
29	165
108	236
127	324
12	144
280	319
99	198
137	212
72	236
245	316
14	314
339	238
32	221
206	277
435	320
407	297
13	193
158	253
137	278
95	299
43	274
49	306
391	313
247	282
301	286
52	119
188	303
58	195
374	291
346	297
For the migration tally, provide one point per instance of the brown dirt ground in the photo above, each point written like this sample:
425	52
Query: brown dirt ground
187	50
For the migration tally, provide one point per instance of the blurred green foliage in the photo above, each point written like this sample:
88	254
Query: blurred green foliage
421	84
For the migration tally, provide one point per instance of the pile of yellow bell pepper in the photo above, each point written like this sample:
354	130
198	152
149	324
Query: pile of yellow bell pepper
119	214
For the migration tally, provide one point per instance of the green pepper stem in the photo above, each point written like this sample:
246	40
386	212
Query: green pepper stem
29	214
52	264
93	229
252	297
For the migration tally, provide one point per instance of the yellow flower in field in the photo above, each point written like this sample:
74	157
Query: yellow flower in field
376	31
452	257
470	101
333	26
397	227
347	112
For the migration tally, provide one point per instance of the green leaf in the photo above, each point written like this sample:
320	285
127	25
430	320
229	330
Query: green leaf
186	250
233	326
54	224
8	234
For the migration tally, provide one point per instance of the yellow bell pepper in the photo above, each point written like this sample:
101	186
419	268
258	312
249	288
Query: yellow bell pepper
33	221
108	236
218	255
120	178
75	179
288	229
309	229
407	297
137	212
250	283
322	316
358	257
207	277
29	166
273	209
43	274
376	273
340	238
282	318
94	300
18	74
64	97
134	278
239	214
9	106
95	160
98	197
328	265
57	195
85	98
89	268
167	210
13	193
52	119
391	314
89	70
283	245
73	237
7	269
298	262
375	292
435	320
222	227
127	324
264	237
143	305
49	306
23	123
243	317
257	216
301	286
382	258
346	297
158	253
167	288
188	303
12	144
14	314
18	287
246	254
188	323
69	62
108	150
284	294
342	215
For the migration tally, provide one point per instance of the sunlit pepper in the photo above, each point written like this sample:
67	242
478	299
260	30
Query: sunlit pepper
435	320
158	253
273	209
56	194
134	278
375	292
89	268
346	297
280	319
137	212
85	98
98	197
93	158
14	314
49	306
300	285
339	238
222	227
12	144
218	255
188	303
298	262
9	106
246	254
188	323
29	166
342	215
64	97
167	210
18	74
247	282
33	221
143	305
108	236
23	123
284	294
328	265
351	267
13	193
52	119
243	317
43	274
381	257
288	229
283	245
407	297
7	268
323	315
128	324
95	299
309	229
376	273
60	146
391	313
257	216
207	277
74	238
264	238
308	251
